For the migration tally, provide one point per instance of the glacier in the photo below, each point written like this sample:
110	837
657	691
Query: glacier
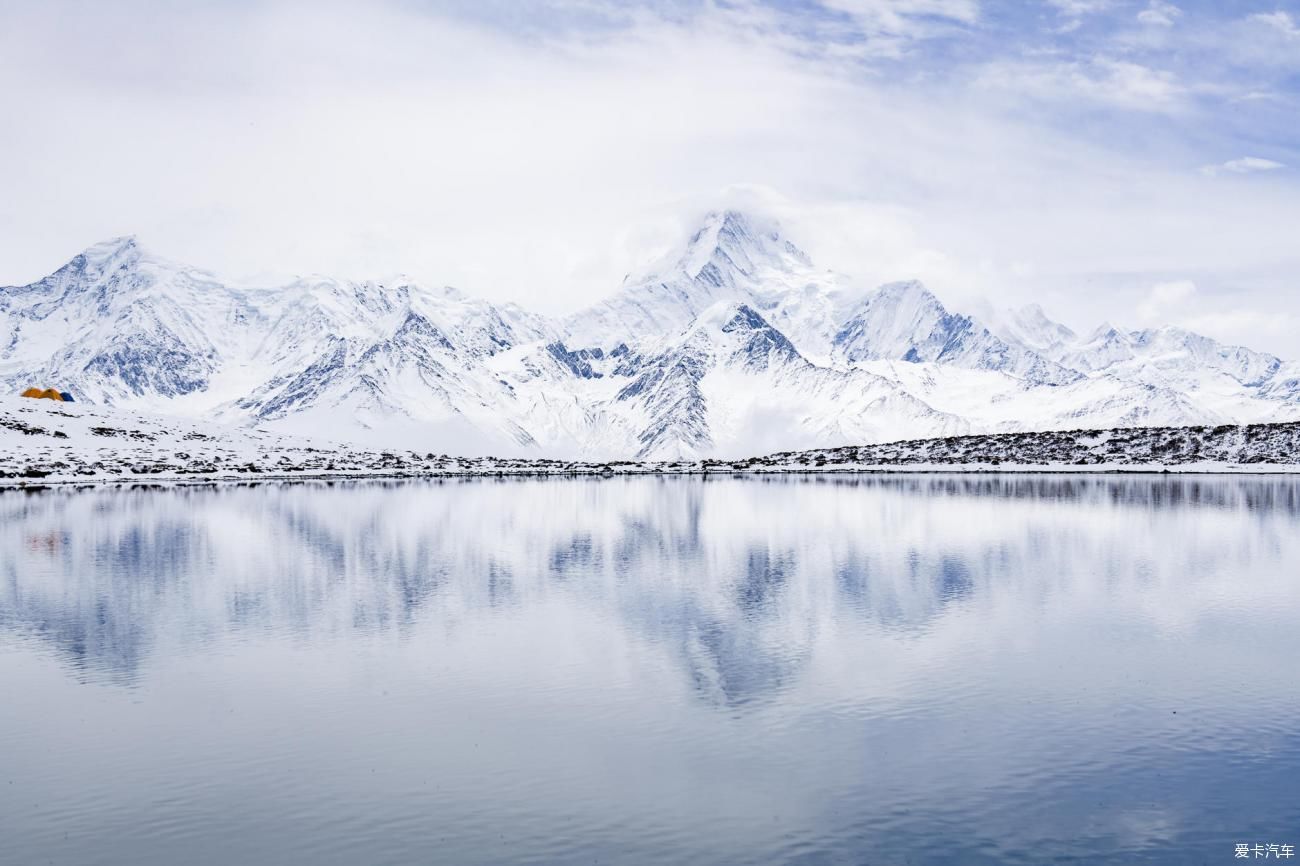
734	345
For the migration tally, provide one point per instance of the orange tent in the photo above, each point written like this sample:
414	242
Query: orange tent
47	394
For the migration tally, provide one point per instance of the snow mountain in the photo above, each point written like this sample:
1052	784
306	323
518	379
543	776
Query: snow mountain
119	324
729	258
734	345
906	322
734	384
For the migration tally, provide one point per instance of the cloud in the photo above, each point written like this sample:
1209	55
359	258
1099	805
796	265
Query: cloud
1075	11
1079	8
1245	327
889	28
905	16
539	152
1165	301
1101	81
1160	13
1280	21
1231	316
1244	165
1264	43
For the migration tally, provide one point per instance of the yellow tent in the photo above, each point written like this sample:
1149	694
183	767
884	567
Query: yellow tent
47	394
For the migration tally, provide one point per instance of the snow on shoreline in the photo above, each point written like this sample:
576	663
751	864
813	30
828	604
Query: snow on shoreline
46	442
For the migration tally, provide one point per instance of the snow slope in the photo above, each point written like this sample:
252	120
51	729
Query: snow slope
43	442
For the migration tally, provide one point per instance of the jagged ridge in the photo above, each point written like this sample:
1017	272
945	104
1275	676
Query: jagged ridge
736	344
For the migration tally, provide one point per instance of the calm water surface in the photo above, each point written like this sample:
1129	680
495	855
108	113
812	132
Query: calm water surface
894	670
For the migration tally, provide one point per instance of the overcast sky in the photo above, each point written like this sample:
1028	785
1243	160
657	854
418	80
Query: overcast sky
1137	162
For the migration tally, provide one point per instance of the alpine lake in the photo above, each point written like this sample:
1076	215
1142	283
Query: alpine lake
875	669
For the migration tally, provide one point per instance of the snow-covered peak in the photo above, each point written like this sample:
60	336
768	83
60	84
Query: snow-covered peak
124	264
889	321
905	321
113	249
1032	318
731	257
728	247
1180	349
907	295
1030	326
104	258
1173	349
1103	348
112	276
742	243
1106	332
739	334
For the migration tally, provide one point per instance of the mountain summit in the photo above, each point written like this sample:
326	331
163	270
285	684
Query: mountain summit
731	256
731	246
905	321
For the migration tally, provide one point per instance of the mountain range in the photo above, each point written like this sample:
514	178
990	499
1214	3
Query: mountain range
736	344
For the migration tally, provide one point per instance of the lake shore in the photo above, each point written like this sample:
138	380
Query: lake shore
44	445
524	473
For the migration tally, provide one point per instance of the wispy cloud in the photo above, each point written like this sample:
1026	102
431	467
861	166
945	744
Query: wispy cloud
1246	327
1098	81
901	16
536	151
892	28
1244	165
1281	21
1160	14
1166	302
1078	8
1226	315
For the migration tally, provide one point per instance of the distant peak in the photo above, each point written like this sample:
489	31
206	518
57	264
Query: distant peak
110	253
718	220
1105	331
908	290
715	220
1029	325
739	223
722	233
112	246
904	287
728	244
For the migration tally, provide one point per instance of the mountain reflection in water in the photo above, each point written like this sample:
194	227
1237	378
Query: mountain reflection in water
809	669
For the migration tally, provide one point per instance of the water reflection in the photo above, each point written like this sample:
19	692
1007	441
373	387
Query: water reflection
734	572
879	658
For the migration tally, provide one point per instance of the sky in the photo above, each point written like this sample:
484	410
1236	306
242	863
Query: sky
1128	161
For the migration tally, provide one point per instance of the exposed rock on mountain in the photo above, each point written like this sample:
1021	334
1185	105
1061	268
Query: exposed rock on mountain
736	344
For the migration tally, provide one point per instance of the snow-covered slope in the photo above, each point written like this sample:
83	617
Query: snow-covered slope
1169	356
905	321
386	358
730	258
1030	327
43	443
735	344
116	324
992	401
734	384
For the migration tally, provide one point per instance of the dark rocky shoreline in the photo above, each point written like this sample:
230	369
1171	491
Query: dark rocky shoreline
1253	448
